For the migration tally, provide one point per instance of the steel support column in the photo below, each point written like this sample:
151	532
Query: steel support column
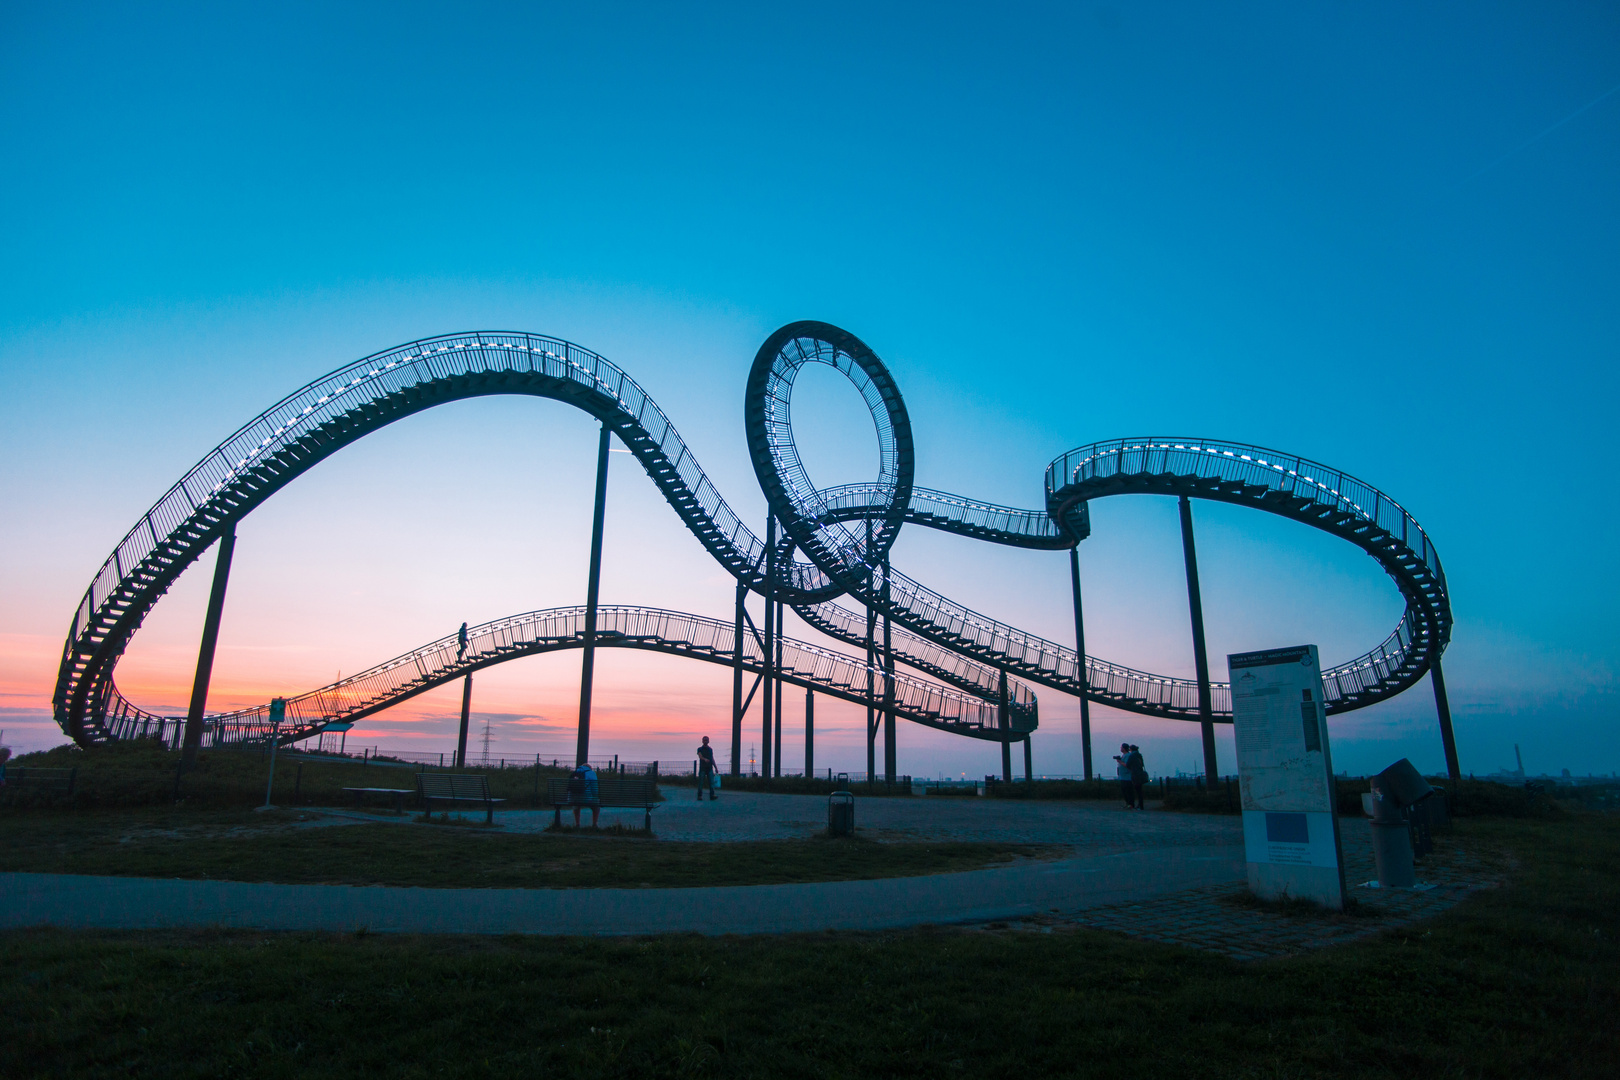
1080	661
768	701
809	733
205	651
1004	721
890	769
1443	707
871	662
593	586
777	666
466	714
1195	605
736	686
1029	774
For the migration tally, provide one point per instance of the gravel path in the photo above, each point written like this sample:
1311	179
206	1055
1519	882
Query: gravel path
1088	827
1025	890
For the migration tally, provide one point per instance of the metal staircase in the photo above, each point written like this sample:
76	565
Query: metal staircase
677	633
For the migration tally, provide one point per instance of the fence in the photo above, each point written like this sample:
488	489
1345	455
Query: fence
447	759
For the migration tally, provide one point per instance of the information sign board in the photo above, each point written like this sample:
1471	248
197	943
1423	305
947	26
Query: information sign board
1285	774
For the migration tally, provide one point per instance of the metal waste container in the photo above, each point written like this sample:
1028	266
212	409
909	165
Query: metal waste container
841	814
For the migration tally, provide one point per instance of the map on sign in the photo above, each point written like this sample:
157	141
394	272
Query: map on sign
1281	750
1285	775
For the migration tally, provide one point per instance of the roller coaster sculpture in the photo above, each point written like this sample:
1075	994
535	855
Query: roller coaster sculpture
966	673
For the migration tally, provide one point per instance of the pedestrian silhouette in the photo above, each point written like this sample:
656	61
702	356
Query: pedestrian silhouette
706	771
461	639
1139	776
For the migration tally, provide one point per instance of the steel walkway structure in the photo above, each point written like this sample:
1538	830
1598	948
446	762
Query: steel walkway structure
974	674
803	664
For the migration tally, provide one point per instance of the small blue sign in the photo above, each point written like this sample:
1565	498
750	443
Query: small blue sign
1287	829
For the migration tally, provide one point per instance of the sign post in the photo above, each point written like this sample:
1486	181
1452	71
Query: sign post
1285	773
343	732
278	712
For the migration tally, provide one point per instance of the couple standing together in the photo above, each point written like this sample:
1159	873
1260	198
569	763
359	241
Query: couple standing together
1132	775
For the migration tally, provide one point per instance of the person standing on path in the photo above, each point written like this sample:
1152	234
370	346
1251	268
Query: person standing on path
583	791
1123	771
1139	775
706	770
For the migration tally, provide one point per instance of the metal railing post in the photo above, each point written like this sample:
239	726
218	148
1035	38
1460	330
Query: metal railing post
592	589
205	650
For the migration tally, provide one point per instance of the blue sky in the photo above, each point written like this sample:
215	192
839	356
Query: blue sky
1382	236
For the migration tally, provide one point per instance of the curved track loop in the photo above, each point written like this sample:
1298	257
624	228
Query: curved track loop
938	637
1293	487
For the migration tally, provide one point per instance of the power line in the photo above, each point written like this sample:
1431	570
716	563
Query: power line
1543	134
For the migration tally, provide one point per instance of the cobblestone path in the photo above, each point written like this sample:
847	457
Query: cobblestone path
1223	918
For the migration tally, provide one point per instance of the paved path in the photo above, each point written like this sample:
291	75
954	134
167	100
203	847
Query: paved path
1024	890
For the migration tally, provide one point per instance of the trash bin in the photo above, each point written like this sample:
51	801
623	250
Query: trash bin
841	814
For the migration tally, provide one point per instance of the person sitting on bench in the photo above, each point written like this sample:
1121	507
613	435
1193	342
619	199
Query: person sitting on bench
583	791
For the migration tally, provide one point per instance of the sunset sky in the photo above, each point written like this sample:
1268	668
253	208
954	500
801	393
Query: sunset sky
1383	236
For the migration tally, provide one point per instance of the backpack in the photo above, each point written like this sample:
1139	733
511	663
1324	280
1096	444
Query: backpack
576	782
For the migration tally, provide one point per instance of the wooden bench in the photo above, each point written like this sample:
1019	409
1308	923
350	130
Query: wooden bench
456	788
393	794
53	782
612	793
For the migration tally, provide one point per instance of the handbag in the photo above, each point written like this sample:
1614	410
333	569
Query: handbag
714	781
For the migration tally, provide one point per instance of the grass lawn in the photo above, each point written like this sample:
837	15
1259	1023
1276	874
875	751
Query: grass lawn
139	772
244	846
1516	982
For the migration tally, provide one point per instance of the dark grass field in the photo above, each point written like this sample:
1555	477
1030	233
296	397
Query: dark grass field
140	772
245	846
1516	982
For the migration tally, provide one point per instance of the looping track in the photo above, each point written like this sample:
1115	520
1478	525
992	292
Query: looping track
946	642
